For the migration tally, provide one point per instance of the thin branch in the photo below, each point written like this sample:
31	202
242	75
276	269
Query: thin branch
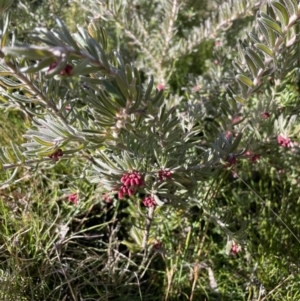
276	50
214	24
196	267
277	287
170	29
147	228
30	86
132	36
266	204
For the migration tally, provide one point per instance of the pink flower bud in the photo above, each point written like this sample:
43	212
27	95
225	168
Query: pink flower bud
130	192
196	88
73	198
127	182
160	87
284	141
120	195
235	249
123	179
236	119
106	198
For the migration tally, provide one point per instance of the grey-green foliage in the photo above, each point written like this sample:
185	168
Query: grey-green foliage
121	123
271	48
161	23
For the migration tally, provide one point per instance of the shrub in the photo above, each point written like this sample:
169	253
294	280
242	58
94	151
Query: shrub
152	145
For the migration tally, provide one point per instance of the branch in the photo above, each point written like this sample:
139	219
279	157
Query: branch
168	37
30	86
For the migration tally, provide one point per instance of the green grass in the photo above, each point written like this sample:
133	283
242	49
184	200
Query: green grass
41	262
13	126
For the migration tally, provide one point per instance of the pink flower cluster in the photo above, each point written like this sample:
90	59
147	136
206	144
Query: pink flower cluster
130	181
149	201
284	141
55	156
164	174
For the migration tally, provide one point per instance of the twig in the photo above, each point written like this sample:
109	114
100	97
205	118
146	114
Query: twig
149	219
280	284
265	203
30	86
196	267
147	228
64	273
168	36
111	243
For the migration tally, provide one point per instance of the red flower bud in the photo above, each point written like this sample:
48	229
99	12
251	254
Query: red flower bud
254	158
66	71
69	69
265	115
55	156
59	152
231	160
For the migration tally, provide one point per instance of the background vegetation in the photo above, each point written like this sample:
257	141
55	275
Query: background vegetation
232	235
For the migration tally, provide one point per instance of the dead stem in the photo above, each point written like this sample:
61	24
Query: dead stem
196	266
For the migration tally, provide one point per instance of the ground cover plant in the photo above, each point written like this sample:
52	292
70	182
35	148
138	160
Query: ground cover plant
149	150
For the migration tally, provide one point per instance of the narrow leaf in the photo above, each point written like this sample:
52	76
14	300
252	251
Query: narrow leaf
42	142
267	33
292	6
272	25
255	58
68	38
251	65
265	49
281	12
239	99
28	52
245	80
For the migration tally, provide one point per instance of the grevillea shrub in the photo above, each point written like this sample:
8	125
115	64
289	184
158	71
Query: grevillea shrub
155	112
